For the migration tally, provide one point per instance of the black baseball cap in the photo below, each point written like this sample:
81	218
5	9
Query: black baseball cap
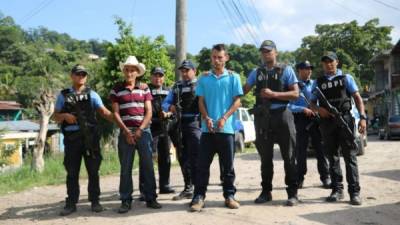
304	65
187	64
157	70
267	45
329	55
78	68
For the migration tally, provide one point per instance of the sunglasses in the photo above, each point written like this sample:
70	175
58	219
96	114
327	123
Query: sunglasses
81	74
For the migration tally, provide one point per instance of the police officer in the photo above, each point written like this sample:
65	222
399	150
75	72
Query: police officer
76	109
276	85
307	125
160	125
182	100
339	88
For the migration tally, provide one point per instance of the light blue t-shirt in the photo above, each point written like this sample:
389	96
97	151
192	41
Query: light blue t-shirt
298	105
351	85
95	100
219	93
288	78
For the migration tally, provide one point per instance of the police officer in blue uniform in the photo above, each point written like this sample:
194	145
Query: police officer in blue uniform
182	98
75	110
307	125
160	129
276	85
339	88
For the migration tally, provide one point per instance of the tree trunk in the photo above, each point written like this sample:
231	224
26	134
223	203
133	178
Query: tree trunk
45	106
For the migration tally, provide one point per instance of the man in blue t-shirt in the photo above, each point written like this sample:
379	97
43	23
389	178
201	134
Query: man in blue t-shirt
307	126
339	89
219	92
276	85
75	110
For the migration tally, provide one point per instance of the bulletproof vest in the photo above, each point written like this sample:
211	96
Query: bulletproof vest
187	96
269	79
159	94
335	92
82	102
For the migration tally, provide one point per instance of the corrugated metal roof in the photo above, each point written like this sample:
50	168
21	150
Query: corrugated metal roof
9	105
23	125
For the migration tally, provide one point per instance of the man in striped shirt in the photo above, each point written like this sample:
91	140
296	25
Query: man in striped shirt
132	111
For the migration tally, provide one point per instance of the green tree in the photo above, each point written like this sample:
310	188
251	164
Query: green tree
355	45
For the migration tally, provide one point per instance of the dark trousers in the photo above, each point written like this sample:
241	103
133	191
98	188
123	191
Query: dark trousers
73	153
281	129
161	145
333	138
126	154
187	156
223	145
306	128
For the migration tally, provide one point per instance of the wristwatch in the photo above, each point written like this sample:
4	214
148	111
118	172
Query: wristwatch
363	117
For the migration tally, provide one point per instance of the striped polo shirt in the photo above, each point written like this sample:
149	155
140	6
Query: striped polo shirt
131	103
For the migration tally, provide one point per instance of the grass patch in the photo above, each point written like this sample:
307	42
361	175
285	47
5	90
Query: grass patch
53	174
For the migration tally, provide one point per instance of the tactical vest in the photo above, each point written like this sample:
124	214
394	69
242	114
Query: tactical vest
159	94
81	102
335	92
188	98
269	79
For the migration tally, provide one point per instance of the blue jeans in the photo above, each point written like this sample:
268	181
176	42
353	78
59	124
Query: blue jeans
126	154
223	145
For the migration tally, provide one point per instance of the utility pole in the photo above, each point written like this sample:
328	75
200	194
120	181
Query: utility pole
180	35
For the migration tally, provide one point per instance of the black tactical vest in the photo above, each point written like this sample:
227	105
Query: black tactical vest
188	98
159	94
82	102
269	79
335	92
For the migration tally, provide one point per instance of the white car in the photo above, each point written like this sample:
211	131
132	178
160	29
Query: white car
245	133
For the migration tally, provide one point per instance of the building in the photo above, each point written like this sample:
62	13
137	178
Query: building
384	97
18	137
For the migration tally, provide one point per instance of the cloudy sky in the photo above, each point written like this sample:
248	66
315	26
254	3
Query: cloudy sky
209	21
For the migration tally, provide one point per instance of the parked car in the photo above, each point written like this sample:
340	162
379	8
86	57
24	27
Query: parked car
391	128
245	133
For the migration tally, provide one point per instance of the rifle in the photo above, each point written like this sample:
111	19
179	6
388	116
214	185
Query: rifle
87	134
348	134
261	111
178	106
315	119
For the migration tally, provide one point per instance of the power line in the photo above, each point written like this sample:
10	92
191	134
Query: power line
387	5
133	10
238	35
248	18
241	17
348	9
234	19
42	5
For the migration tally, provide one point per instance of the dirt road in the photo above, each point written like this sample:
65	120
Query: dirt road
380	183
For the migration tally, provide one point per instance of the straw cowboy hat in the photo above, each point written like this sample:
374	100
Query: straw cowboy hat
132	61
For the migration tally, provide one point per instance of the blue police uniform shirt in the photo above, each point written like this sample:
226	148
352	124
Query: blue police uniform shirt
288	78
351	85
169	100
218	93
95	100
298	105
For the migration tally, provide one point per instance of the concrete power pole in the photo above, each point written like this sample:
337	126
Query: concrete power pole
180	35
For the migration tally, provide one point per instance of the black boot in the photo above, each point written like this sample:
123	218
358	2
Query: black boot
292	200
96	207
265	196
125	207
167	190
355	199
69	208
153	204
335	196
